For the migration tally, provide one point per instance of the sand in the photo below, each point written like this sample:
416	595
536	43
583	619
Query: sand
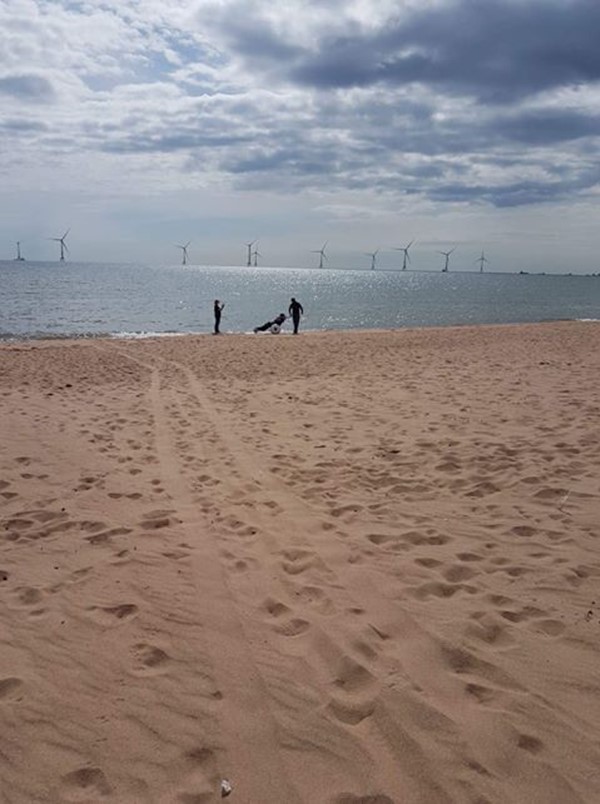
349	568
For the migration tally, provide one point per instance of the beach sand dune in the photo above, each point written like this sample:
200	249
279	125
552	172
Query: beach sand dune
343	568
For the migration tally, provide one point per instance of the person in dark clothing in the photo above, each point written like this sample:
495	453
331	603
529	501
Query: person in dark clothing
218	309
295	310
264	327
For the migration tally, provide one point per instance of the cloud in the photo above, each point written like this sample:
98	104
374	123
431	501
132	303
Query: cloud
496	51
29	88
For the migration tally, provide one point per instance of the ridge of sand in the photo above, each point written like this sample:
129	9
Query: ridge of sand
349	568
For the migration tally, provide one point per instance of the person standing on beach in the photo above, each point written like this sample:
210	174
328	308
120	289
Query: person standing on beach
218	308
295	310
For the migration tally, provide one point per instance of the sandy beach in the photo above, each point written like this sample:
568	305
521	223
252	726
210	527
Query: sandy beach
342	568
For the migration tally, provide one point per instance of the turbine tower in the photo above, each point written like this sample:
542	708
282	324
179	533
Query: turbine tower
19	258
63	245
249	247
447	256
256	254
373	256
406	259
481	260
184	254
321	253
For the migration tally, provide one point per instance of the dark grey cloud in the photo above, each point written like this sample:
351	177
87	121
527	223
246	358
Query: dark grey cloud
495	50
518	193
545	127
33	88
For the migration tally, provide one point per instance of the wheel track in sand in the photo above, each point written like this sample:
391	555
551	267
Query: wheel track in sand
303	724
343	710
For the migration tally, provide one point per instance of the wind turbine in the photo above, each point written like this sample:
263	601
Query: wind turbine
18	258
447	256
321	252
406	255
63	245
256	254
481	260
184	254
249	247
373	256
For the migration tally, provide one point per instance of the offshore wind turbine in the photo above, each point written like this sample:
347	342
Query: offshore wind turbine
256	254
184	254
19	258
373	256
249	247
321	252
447	256
406	259
63	245
481	260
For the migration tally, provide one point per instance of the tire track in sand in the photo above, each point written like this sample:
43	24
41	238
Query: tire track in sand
268	672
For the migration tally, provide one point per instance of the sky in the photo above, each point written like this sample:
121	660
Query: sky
462	124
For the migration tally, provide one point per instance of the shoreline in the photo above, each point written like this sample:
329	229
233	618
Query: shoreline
146	336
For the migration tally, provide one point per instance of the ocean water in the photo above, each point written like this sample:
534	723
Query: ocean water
39	299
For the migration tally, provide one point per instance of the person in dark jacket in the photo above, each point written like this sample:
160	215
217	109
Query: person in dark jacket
295	310
218	309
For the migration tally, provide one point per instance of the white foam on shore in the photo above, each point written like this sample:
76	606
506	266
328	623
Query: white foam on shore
143	335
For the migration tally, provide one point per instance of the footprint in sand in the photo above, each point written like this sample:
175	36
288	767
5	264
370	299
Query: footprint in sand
156	520
352	700
201	777
350	798
528	742
441	590
11	689
290	626
298	561
28	595
314	596
176	555
458	572
112	615
149	658
85	784
482	695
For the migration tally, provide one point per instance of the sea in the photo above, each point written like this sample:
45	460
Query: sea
84	300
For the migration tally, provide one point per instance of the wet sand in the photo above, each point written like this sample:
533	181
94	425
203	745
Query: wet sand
349	568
